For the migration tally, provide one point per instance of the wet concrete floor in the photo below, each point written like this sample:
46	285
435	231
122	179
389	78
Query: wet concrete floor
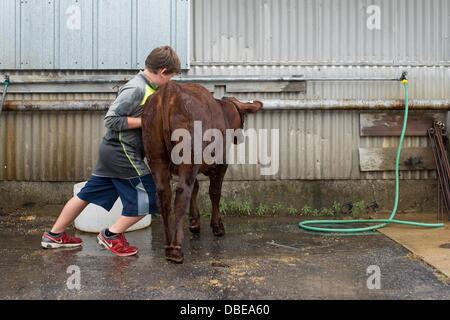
259	258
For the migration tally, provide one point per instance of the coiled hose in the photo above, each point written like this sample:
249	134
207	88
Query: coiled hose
381	223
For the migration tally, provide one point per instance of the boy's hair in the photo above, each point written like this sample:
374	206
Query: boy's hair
163	57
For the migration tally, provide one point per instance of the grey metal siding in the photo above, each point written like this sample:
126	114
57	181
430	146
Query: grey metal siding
111	34
321	32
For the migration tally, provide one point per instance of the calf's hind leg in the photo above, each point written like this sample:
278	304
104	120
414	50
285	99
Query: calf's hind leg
215	190
194	213
161	176
187	175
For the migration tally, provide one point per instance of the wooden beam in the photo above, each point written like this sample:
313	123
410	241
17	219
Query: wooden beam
383	159
390	124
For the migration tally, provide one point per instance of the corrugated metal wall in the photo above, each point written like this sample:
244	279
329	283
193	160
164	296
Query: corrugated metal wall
49	146
425	82
89	34
262	37
52	146
321	32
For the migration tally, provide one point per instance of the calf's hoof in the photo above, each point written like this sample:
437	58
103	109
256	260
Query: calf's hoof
174	254
194	226
218	230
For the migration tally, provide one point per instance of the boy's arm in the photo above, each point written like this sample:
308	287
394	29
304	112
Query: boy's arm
134	123
118	116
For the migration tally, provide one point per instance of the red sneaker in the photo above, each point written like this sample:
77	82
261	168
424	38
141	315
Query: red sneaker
117	244
62	241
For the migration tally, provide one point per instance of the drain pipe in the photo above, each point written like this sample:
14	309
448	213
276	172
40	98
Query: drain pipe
269	105
215	78
6	84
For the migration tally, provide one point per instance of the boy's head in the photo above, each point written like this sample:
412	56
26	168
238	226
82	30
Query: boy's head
163	62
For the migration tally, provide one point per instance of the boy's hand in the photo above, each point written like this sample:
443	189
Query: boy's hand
134	123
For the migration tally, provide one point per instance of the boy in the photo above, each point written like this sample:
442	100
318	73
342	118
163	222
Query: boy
120	170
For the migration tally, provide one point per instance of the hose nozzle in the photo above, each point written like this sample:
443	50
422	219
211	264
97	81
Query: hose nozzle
6	81
404	77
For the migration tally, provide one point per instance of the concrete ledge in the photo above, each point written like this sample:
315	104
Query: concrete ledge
415	195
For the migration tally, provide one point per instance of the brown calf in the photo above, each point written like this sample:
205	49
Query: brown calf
177	106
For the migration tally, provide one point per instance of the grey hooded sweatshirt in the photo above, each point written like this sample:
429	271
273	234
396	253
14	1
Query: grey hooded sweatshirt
121	151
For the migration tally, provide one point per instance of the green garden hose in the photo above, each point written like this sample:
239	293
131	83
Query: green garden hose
6	84
381	223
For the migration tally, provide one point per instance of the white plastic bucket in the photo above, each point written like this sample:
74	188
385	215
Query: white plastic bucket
94	218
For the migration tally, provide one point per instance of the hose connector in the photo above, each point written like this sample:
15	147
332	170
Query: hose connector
6	84
6	80
404	77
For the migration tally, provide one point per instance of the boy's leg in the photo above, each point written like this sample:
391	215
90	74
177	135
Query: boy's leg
99	191
138	199
123	223
57	238
71	210
113	238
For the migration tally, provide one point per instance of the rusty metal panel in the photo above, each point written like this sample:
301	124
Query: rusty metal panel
312	144
324	144
49	146
319	144
388	142
383	159
391	123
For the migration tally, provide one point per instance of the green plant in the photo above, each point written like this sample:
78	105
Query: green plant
292	211
307	210
337	208
205	214
245	208
235	207
223	207
261	209
326	212
276	208
359	208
